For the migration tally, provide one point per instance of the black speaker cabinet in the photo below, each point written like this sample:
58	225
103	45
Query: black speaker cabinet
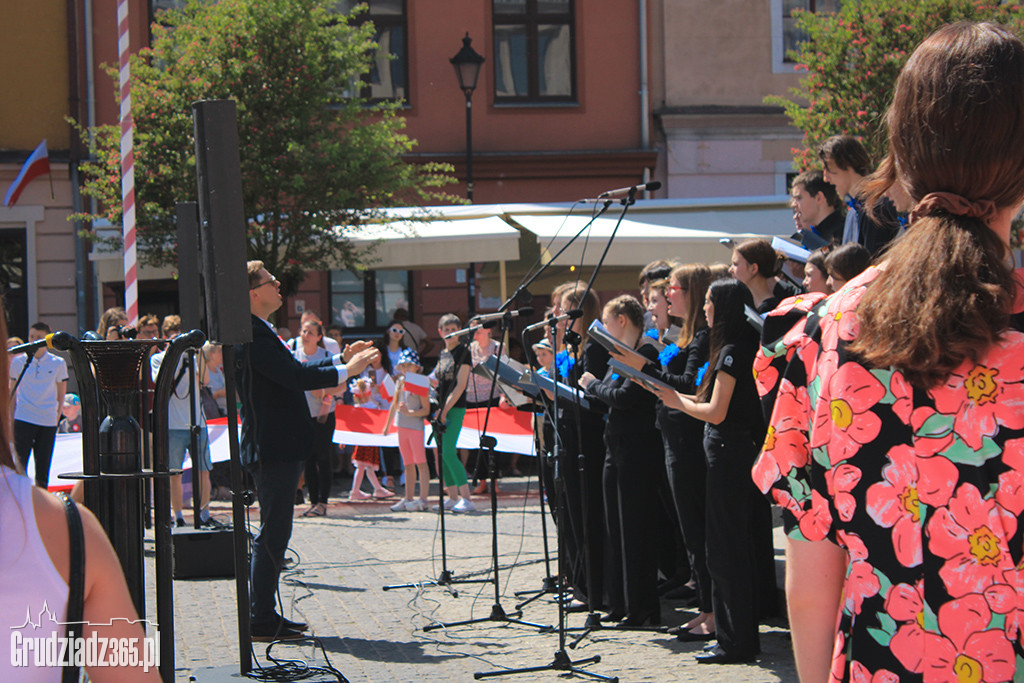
222	221
190	303
203	553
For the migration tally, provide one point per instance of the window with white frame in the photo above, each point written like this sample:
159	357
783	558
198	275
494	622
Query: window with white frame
786	36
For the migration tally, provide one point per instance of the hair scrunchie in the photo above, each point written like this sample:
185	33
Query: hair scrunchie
947	202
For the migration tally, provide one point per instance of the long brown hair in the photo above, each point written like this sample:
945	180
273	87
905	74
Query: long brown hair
759	252
956	125
6	457
591	306
694	278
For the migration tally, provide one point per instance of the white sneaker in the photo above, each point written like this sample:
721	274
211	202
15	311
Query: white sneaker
449	504
400	506
464	505
414	506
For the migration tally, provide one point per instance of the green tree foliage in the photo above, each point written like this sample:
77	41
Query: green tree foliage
314	155
851	59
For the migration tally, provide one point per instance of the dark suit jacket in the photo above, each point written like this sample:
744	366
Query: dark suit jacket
275	416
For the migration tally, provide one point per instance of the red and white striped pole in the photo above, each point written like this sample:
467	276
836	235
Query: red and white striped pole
131	287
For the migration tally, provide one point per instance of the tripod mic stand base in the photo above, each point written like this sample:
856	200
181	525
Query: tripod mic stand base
549	586
561	662
497	614
446	580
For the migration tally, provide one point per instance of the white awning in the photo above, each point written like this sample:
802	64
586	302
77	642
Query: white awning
437	243
690	234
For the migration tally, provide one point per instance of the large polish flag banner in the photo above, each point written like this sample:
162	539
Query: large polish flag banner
355	427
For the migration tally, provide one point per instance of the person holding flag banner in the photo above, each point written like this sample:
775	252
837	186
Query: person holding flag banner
37	164
412	404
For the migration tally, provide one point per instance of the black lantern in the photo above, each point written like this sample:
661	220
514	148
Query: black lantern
467	65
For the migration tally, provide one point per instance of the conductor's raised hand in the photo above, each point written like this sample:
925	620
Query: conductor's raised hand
361	359
354	348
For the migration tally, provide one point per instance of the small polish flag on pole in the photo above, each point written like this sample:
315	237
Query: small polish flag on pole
417	384
387	388
37	164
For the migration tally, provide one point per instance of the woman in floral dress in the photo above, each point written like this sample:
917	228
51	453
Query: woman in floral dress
896	444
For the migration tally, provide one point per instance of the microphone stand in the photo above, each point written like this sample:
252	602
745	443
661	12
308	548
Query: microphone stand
445	579
549	583
593	622
488	443
561	661
28	361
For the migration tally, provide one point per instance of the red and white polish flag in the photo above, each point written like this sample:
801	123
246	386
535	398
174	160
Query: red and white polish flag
37	164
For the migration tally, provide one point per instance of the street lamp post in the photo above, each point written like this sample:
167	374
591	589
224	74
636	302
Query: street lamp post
467	65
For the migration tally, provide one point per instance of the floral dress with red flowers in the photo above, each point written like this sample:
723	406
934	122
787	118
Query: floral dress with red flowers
924	489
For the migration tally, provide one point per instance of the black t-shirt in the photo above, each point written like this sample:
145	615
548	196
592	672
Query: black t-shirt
737	361
447	373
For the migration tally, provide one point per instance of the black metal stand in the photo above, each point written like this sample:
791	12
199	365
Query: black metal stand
488	443
561	661
445	579
550	583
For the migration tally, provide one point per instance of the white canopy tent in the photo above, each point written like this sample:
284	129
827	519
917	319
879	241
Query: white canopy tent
690	229
437	243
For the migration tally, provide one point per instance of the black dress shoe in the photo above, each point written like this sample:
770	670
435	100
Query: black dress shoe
613	616
649	619
294	625
717	655
265	635
688	636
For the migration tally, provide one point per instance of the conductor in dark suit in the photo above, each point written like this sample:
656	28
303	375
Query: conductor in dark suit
277	436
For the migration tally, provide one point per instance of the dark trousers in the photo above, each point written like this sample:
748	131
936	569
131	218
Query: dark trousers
687	478
632	468
36	440
320	464
584	531
276	482
731	501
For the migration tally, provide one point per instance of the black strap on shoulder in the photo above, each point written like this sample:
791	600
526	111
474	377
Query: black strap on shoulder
76	580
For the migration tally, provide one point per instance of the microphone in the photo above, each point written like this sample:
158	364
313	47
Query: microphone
488	317
630	191
31	347
569	315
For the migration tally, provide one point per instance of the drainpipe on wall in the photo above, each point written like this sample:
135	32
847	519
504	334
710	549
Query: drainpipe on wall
90	120
74	155
645	126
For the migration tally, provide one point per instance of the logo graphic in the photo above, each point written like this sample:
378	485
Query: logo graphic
58	649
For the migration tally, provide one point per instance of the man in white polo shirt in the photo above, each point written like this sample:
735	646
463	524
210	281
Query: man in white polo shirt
38	382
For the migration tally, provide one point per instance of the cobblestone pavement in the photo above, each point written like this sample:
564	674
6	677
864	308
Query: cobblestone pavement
343	561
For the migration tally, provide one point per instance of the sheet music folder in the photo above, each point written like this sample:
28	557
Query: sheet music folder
641	378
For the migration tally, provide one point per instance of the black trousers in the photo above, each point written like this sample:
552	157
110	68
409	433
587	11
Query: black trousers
687	470
36	440
584	529
732	502
320	464
633	465
276	481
